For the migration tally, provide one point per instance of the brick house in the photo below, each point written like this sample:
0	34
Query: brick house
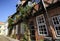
44	24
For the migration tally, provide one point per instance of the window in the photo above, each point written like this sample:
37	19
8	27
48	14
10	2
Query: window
32	31
56	23
41	24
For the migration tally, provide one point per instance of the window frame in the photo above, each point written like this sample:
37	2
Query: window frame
42	24
57	25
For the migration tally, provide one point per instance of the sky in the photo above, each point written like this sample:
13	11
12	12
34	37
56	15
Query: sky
7	8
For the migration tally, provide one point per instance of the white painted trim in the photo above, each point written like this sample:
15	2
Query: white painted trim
56	24
57	37
50	38
41	24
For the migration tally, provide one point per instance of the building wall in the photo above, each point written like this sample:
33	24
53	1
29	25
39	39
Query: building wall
50	27
4	29
52	13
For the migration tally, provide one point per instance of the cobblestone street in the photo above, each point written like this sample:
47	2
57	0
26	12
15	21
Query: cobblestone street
4	38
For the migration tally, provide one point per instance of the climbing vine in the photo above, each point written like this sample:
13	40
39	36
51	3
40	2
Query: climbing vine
10	27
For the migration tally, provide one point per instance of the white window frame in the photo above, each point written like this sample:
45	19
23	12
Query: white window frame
57	25
42	24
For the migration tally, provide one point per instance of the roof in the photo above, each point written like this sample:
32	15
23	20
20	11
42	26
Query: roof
1	23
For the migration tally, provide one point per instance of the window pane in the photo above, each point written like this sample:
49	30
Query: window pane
32	32
58	32
31	27
41	24
56	24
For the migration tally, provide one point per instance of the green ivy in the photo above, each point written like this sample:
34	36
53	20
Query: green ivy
17	16
10	21
24	10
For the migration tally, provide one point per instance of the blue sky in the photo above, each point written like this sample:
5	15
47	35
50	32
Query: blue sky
7	8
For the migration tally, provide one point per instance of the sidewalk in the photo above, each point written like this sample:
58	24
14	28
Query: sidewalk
11	39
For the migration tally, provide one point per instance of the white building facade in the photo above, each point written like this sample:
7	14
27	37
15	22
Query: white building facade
3	28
